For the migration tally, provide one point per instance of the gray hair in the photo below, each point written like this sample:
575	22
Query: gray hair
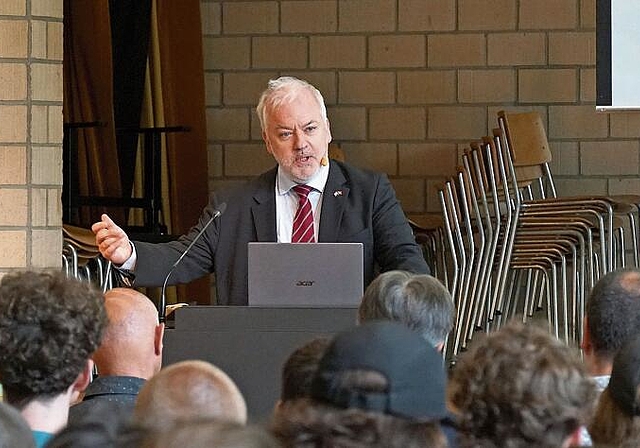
285	89
418	301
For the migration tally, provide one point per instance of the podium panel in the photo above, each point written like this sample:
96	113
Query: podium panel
250	343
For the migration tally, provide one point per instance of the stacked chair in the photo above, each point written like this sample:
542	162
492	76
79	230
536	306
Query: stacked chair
430	235
81	258
512	247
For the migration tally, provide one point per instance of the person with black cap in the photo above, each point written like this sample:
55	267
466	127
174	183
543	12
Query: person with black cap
377	385
617	418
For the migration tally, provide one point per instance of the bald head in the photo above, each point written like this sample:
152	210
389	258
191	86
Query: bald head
189	389
132	343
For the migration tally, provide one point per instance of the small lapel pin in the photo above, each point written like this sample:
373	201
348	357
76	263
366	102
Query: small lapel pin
337	193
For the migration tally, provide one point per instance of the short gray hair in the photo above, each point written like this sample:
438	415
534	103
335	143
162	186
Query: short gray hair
418	301
282	90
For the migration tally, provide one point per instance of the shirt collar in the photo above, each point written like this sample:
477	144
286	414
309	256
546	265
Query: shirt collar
602	381
285	183
114	385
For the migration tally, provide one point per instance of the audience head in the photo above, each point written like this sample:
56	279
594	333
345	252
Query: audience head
304	423
14	430
49	327
420	302
132	343
205	433
617	418
612	317
406	376
520	387
189	389
378	384
299	368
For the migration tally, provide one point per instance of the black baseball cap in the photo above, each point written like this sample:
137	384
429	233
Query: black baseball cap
413	369
625	377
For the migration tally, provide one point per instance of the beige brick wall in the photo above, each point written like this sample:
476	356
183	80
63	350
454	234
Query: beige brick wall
409	83
30	134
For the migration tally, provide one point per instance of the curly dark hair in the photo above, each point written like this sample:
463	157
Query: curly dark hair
305	423
209	432
520	387
49	326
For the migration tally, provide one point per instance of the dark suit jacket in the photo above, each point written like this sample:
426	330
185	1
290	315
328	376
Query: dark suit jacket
357	206
116	389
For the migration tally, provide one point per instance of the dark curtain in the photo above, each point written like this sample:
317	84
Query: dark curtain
130	25
88	97
106	46
180	43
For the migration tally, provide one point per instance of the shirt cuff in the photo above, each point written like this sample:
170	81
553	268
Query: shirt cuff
130	263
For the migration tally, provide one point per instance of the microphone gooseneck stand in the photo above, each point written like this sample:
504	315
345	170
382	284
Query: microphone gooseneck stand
162	306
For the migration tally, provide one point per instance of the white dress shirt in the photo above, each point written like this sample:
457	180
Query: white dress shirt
287	202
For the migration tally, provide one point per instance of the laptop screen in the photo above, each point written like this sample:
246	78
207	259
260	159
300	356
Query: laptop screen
305	274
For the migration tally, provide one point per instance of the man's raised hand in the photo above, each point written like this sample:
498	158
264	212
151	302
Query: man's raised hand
112	241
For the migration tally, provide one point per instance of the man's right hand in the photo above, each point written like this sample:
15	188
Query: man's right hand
112	241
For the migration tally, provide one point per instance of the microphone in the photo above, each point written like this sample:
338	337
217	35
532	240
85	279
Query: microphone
162	308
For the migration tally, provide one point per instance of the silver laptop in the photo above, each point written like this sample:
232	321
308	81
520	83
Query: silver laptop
305	274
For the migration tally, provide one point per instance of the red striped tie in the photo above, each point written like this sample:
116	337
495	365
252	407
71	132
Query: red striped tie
303	221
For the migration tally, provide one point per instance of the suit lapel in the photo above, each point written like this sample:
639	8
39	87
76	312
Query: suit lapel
334	199
263	209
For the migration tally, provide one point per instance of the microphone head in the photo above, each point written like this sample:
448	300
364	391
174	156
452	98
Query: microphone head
221	208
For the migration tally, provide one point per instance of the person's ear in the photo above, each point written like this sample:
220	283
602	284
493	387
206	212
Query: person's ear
158	339
278	406
574	439
83	379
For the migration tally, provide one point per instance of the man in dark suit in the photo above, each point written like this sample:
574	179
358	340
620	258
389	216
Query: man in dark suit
343	204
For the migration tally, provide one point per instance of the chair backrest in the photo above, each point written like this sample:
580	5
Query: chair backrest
526	137
527	152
